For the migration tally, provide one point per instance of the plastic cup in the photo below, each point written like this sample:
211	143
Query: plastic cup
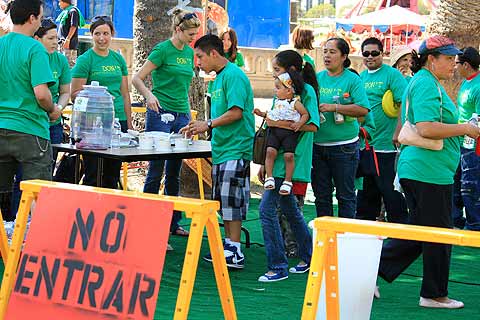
145	142
181	144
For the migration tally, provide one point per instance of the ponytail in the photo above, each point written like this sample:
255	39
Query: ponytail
310	77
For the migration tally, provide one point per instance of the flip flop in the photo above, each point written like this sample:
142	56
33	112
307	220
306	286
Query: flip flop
180	232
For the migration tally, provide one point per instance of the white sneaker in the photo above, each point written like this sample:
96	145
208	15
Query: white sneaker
449	304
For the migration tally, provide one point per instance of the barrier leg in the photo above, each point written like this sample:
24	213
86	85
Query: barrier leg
312	293
331	278
3	241
200	178
220	268
190	265
14	250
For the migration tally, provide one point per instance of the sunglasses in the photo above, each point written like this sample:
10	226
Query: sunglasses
186	17
374	53
101	18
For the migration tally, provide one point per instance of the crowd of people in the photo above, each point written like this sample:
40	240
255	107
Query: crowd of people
314	126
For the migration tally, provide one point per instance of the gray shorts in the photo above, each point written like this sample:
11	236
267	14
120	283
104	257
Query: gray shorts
33	154
231	186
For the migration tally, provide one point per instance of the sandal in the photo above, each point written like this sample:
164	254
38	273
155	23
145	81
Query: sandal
286	188
269	183
180	232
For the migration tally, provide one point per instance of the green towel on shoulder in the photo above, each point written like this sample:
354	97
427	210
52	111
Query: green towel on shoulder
63	16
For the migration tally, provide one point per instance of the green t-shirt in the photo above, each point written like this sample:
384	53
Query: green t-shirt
172	77
376	84
309	59
469	99
330	133
238	59
61	72
303	152
436	167
108	71
231	88
23	66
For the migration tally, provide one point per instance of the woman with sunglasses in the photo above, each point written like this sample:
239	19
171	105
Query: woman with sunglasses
426	176
109	68
335	149
170	64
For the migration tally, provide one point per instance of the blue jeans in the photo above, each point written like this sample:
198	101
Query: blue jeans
172	167
470	189
340	164
272	235
457	207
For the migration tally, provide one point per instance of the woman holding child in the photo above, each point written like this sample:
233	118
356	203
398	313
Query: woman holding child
289	61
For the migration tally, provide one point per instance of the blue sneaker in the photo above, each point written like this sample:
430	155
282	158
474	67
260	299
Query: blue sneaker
233	258
299	268
276	276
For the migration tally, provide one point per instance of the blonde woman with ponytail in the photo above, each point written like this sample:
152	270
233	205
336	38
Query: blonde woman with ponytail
170	64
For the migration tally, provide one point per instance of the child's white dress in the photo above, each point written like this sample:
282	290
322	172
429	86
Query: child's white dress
284	110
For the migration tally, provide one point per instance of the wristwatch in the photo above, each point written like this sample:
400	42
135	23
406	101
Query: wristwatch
209	124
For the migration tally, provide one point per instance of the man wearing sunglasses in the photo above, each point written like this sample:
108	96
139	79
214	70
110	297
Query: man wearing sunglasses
378	79
68	21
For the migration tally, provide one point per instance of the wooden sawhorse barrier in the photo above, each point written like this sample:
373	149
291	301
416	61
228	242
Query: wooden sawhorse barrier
325	258
202	212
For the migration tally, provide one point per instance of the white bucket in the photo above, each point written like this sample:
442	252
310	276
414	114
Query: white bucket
358	260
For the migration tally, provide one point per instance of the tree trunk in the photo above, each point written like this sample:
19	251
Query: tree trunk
458	20
151	25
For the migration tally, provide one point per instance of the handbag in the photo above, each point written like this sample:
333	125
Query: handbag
368	164
409	135
260	144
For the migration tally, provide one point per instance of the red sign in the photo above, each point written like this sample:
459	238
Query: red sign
91	256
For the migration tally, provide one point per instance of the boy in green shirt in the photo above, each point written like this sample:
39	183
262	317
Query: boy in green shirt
233	128
467	64
26	104
378	79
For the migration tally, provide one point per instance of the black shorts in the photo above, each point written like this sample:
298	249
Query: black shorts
282	138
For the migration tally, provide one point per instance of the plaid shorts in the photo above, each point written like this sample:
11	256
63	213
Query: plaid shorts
231	186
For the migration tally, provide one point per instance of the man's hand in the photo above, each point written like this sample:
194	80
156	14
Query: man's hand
153	103
55	114
194	128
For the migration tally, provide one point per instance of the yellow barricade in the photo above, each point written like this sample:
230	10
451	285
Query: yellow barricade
202	212
324	257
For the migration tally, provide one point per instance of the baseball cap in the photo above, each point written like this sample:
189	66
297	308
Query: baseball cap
440	44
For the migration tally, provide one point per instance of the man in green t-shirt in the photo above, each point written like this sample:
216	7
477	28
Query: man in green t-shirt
467	65
233	128
378	79
26	104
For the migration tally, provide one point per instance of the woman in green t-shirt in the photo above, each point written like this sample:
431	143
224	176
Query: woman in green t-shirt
230	47
426	176
335	149
302	38
277	262
170	64
109	68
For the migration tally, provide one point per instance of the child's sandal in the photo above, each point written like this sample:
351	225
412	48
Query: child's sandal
286	188
269	183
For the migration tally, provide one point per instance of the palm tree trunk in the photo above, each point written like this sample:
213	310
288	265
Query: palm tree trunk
460	21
